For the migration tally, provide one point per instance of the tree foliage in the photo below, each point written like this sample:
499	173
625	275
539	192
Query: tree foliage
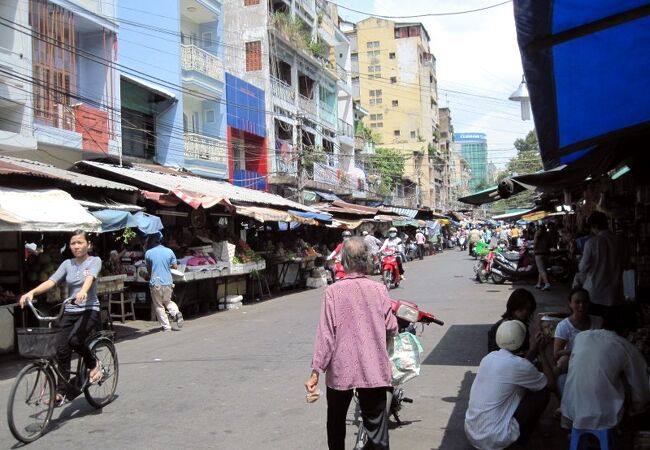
388	164
527	160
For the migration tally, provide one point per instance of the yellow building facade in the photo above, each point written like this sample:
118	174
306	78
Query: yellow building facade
397	84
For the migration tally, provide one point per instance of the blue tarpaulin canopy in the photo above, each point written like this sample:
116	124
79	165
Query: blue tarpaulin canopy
323	217
113	220
587	67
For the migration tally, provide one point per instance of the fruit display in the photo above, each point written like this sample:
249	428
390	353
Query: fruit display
244	254
40	267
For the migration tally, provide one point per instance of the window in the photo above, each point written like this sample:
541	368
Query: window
375	97
413	135
251	2
375	68
207	39
373	53
376	117
372	44
377	125
396	133
430	78
391	55
393	80
395	102
253	56
209	116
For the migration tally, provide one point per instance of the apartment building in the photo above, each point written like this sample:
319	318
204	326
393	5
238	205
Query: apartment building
60	90
294	51
394	78
173	101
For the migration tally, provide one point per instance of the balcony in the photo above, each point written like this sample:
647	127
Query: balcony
307	105
345	129
201	68
200	147
285	164
283	90
327	113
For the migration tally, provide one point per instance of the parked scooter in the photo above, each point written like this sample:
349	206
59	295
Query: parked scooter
483	267
390	269
514	267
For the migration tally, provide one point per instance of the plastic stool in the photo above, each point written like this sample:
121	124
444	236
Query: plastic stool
602	435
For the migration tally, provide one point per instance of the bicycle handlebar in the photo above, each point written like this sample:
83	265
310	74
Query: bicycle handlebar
50	318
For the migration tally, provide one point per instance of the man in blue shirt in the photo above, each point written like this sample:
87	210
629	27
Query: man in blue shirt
160	260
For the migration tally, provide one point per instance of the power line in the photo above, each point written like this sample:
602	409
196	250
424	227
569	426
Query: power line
415	16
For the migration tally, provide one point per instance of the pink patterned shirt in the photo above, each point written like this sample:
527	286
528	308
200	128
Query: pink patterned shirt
350	342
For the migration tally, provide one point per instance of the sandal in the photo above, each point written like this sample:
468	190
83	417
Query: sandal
94	379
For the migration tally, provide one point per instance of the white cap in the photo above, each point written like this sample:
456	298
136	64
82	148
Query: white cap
511	334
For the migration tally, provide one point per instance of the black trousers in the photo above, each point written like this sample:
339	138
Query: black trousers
529	411
421	251
373	411
78	327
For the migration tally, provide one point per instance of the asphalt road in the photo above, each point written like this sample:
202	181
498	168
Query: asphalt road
234	380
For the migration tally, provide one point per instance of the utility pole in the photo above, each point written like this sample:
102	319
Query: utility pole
300	180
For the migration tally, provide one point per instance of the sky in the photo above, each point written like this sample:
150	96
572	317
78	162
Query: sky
477	57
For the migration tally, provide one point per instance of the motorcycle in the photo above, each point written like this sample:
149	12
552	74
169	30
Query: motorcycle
376	264
514	267
390	269
483	267
408	314
462	243
336	270
411	251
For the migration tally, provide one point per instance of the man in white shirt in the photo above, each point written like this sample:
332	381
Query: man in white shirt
601	266
601	363
509	394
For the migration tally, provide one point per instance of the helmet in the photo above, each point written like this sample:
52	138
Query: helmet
364	233
392	230
346	234
511	334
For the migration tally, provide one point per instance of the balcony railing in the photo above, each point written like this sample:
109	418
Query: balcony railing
345	129
285	164
307	104
198	146
327	113
283	90
195	58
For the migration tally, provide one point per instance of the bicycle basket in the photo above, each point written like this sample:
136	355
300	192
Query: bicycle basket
38	342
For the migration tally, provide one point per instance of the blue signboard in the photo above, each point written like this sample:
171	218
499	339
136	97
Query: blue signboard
245	106
473	137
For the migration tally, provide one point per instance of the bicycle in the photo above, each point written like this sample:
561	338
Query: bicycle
32	397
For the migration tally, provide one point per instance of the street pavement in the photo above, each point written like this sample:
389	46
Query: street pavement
234	379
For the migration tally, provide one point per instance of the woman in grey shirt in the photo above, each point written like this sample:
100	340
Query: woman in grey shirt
82	315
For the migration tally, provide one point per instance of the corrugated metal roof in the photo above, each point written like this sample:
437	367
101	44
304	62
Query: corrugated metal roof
168	182
9	165
406	212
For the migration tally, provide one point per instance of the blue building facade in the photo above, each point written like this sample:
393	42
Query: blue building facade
172	84
473	147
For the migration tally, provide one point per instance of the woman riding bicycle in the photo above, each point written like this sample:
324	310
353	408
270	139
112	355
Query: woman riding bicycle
82	315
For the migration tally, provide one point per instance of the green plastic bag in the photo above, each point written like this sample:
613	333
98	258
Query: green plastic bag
405	352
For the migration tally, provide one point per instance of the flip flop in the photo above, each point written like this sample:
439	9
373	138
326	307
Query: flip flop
98	374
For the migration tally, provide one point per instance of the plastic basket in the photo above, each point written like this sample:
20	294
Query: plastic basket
38	342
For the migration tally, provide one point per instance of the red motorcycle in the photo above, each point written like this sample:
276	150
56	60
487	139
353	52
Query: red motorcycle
390	269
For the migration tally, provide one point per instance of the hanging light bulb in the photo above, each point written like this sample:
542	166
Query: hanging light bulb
521	96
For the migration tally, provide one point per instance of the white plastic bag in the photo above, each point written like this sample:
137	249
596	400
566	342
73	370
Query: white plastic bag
405	352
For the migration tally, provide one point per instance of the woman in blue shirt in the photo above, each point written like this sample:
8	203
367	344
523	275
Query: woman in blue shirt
82	315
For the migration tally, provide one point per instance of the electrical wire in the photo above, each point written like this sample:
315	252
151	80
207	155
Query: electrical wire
415	16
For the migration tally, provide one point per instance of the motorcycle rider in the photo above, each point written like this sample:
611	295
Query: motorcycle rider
395	243
372	242
337	251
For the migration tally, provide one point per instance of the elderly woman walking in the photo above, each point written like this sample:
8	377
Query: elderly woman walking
350	347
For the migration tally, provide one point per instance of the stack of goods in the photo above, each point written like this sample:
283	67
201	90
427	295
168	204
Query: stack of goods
244	254
230	302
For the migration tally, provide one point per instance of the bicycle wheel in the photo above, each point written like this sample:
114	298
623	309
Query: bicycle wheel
31	403
102	393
